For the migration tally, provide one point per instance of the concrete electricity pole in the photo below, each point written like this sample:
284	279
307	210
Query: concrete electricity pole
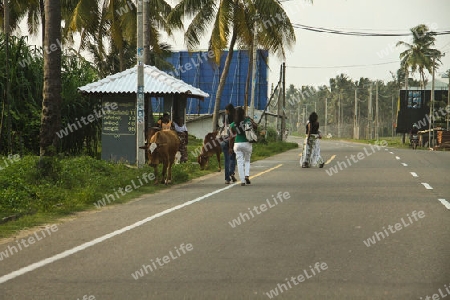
355	119
283	114
447	75
369	114
140	112
376	111
431	117
326	115
251	112
7	30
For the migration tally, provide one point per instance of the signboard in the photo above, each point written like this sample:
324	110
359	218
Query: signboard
119	129
121	121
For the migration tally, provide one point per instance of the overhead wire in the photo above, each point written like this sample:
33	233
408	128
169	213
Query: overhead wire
358	33
336	67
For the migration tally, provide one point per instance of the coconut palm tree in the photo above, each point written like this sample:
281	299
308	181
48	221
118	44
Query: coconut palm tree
419	55
108	27
32	10
51	102
233	21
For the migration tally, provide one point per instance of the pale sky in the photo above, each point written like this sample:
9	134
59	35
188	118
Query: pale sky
335	54
317	57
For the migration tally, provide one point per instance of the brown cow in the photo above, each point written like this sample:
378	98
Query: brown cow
162	146
211	146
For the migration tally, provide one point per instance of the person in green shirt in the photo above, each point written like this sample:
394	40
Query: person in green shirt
240	145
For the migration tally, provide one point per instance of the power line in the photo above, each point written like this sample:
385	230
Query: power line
357	33
349	66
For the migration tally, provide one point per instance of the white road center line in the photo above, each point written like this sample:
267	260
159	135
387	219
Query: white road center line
427	186
445	203
391	152
414	174
405	165
397	157
98	240
329	160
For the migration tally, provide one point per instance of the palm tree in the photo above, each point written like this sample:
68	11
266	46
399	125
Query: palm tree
233	21
32	10
51	102
420	56
103	23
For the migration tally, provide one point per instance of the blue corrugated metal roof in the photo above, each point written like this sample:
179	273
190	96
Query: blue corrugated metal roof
156	82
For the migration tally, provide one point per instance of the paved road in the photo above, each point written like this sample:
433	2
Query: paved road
378	227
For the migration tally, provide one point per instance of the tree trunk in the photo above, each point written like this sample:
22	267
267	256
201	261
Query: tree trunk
223	79
121	59
149	122
51	102
249	77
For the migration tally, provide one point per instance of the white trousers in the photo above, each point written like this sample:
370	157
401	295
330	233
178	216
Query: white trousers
243	153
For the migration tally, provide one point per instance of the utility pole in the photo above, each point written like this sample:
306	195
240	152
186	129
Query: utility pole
369	114
431	118
355	116
304	112
339	116
254	58
376	112
7	30
448	99
326	115
447	109
283	115
140	115
392	116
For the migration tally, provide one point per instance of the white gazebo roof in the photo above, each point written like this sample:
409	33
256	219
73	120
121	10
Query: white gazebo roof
156	83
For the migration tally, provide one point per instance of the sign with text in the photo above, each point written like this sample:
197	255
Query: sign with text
119	129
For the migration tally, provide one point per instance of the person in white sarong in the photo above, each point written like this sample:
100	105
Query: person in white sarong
311	146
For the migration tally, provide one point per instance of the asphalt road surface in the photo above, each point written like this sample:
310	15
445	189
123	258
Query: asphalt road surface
374	223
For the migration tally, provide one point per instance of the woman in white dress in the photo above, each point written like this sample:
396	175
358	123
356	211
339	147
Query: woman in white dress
311	146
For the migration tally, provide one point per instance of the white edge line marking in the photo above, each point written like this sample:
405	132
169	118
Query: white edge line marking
105	237
405	165
445	203
414	174
427	186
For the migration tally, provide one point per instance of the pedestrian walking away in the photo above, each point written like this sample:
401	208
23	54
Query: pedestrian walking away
224	136
311	146
240	145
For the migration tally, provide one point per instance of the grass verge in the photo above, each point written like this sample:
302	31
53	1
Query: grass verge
34	192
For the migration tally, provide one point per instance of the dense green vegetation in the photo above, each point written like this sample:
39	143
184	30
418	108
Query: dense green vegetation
20	120
65	185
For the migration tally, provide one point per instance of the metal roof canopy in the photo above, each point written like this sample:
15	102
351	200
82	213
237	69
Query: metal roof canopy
156	83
